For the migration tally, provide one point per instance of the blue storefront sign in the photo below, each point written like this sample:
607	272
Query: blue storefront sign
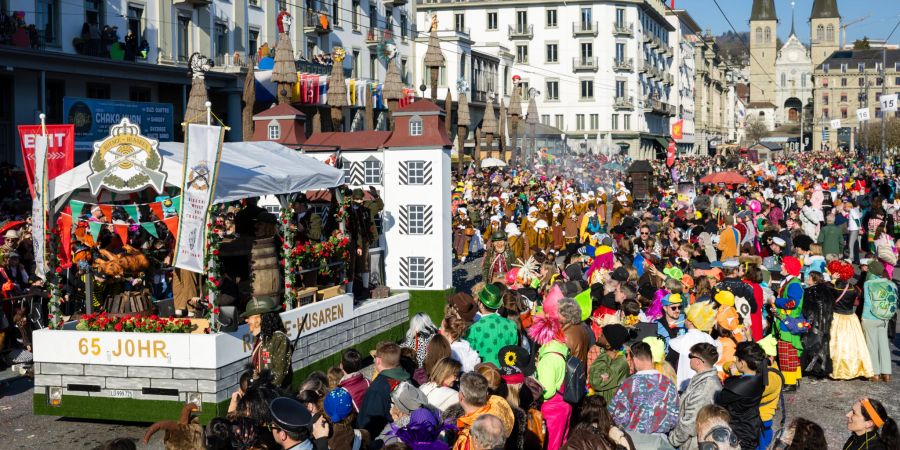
92	119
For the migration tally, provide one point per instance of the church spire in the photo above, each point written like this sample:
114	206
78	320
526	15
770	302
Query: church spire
825	9
792	19
763	10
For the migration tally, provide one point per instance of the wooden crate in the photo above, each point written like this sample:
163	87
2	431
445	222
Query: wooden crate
306	296
326	293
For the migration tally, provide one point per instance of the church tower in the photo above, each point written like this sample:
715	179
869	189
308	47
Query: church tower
825	29
763	38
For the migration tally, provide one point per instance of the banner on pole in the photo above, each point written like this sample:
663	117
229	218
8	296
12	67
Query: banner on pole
38	204
202	151
888	103
862	114
678	130
60	150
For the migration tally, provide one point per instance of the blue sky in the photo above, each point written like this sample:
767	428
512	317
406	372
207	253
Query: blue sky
884	15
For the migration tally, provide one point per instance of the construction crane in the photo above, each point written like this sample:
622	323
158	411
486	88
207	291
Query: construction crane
847	24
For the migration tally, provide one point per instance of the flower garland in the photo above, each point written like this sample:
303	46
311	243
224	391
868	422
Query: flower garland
134	324
289	231
53	281
214	226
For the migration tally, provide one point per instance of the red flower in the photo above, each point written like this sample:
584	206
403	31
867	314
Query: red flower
215	310
215	252
158	328
118	327
59	270
49	316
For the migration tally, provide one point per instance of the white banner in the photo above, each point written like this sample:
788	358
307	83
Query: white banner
862	114
202	151
38	204
835	124
889	103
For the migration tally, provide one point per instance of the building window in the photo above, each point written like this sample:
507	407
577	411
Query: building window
98	90
627	122
442	77
139	94
843	112
803	80
459	22
620	88
419	270
418	219
843	82
825	98
415	127
347	167
418	172
404	74
254	42
46	20
820	33
372	169
184	38
356	64
829	33
221	40
552	53
587	89
620	51
551	18
620	17
274	130
552	90
560	122
759	35
897	81
545	119
491	21
783	80
522	54
373	66
579	122
825	113
843	97
354	16
94	13
373	17
595	121
615	122
404	26
824	82
335	12
135	21
844	68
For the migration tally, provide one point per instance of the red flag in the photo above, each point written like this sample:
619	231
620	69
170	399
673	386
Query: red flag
670	154
678	130
122	231
60	150
65	240
172	225
107	212
156	207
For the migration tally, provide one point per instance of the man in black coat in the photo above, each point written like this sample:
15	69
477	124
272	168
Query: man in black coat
375	411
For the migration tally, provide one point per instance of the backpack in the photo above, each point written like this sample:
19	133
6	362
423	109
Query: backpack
884	306
574	385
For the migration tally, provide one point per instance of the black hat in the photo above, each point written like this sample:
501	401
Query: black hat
289	414
616	335
620	275
647	290
513	355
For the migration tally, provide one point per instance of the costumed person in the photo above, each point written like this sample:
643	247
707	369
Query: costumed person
272	349
671	324
818	304
463	230
529	231
362	231
879	307
610	368
497	259
547	331
871	426
515	242
847	344
789	324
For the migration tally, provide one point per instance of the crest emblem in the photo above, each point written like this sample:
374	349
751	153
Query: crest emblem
126	161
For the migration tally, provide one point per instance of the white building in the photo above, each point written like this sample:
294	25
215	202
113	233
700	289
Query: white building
601	67
793	78
683	70
64	62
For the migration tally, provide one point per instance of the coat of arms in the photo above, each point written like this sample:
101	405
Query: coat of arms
126	161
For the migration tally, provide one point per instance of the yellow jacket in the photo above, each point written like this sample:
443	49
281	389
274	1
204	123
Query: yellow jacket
496	406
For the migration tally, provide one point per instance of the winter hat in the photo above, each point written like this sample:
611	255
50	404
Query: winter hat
408	398
616	335
338	404
792	265
876	268
702	315
724	298
620	275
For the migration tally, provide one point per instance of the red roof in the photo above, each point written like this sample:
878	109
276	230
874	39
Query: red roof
421	105
356	140
283	109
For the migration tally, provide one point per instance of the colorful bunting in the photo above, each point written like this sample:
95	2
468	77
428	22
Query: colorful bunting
176	203
172	225
132	211
122	231
65	239
107	212
77	207
157	209
94	229
151	228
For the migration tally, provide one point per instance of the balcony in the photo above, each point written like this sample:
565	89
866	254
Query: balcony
585	63
668	79
647	37
193	3
521	31
375	36
623	64
655	42
623	29
585	29
390	3
316	23
624	104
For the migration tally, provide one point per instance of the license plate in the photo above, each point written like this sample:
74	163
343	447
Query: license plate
121	394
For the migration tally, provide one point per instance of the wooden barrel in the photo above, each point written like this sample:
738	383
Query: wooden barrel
265	270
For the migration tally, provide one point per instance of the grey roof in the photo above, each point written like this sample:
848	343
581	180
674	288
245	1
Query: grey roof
868	57
763	10
824	9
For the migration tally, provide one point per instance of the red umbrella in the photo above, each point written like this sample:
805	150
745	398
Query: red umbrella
730	177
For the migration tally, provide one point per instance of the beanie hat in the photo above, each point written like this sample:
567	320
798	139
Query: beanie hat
616	335
338	404
408	398
792	265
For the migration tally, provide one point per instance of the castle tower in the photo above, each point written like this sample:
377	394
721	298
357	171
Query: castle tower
763	51
825	29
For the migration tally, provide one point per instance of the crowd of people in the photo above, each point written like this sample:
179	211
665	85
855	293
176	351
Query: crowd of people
604	321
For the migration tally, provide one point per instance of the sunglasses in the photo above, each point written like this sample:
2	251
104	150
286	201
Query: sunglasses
694	357
674	307
644	234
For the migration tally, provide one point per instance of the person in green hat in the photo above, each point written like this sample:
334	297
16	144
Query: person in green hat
492	331
498	258
272	348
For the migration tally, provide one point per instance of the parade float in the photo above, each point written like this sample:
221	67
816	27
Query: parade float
125	358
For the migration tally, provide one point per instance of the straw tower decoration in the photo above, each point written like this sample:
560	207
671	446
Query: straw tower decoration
434	58
489	123
448	110
317	122
284	74
515	116
249	101
532	119
393	88
462	120
196	106
370	110
502	147
337	89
